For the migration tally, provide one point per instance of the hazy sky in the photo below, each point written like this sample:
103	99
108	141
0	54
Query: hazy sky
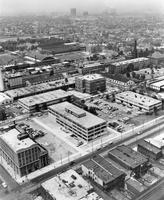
27	6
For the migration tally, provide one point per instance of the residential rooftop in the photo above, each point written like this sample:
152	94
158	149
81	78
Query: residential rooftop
117	77
125	62
14	143
87	121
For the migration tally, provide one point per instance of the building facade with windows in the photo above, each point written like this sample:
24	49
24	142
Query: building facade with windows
103	173
142	102
22	156
41	101
130	159
129	65
81	123
91	83
149	150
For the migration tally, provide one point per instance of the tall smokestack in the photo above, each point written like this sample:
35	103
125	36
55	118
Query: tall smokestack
135	49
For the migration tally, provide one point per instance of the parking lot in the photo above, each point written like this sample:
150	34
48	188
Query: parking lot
117	115
56	147
13	110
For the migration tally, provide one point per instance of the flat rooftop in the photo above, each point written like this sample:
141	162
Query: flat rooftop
42	87
127	155
67	186
87	121
43	98
149	146
14	143
158	84
91	77
4	97
79	95
90	65
92	196
130	61
138	98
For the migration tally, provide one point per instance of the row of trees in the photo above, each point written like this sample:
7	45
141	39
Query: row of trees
135	75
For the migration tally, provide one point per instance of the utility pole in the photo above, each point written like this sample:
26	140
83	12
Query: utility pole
68	156
61	159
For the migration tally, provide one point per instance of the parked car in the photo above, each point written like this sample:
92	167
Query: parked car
4	185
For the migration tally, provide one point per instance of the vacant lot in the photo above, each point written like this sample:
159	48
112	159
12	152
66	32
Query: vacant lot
56	147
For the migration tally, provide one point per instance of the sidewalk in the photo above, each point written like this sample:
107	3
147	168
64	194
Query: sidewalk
115	136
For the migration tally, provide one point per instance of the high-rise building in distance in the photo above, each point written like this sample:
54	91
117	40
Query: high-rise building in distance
73	12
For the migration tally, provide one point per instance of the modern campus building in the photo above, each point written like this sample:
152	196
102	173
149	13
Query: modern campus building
103	172
91	83
157	86
41	101
82	123
129	65
142	102
22	156
129	159
149	149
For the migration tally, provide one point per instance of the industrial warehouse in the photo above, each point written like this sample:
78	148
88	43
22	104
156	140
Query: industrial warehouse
130	159
150	150
142	102
39	88
41	101
103	173
82	123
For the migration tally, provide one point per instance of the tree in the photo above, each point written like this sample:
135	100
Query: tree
130	67
155	110
142	77
133	74
2	114
92	110
96	49
127	74
52	72
137	76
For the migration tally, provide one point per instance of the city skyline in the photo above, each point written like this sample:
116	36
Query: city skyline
19	7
